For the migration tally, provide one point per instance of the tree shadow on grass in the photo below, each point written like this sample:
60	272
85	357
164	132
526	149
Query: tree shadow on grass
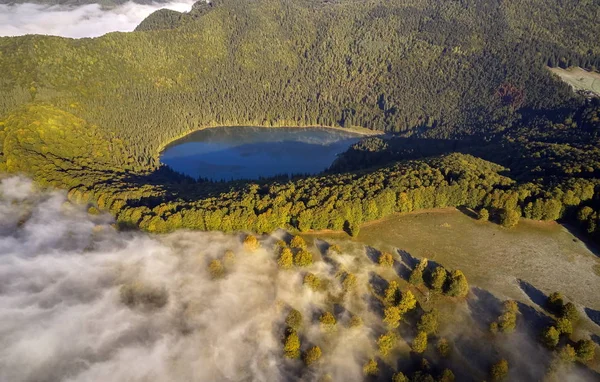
378	283
410	261
535	295
373	254
468	212
593	315
484	307
532	321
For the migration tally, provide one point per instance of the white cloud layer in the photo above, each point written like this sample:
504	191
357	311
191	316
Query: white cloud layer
78	21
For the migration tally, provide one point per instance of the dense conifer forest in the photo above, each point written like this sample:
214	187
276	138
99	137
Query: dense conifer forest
463	86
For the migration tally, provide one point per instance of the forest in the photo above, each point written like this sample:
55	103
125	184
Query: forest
477	119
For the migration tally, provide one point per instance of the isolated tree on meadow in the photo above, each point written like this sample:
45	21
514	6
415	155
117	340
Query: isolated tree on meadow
458	285
349	282
355	321
286	259
416	276
294	319
298	242
312	281
550	337
386	343
443	347
251	243
569	311
291	347
334	249
228	258
392	293
428	322
408	302
392	316
564	326
419	344
567	355
555	302
327	321
312	355
303	258
370	368
216	269
386	260
499	370
585	350
447	376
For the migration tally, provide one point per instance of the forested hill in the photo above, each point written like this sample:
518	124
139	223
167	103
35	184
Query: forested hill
93	114
451	66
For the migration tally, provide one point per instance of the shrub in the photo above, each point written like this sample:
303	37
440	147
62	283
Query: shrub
251	243
327	321
294	319
438	279
428	322
419	344
585	350
312	281
483	215
550	337
216	269
499	370
291	348
458	285
312	355
443	347
303	258
386	343
371	368
386	260
298	242
286	259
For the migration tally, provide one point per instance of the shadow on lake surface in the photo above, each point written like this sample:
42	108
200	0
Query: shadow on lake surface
229	153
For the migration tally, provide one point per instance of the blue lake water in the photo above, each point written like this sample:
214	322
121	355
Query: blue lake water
226	153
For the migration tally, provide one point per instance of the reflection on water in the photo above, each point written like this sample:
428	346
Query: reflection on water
226	153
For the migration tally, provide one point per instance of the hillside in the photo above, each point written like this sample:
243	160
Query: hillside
420	68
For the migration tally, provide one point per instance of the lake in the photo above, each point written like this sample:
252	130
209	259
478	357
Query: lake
229	153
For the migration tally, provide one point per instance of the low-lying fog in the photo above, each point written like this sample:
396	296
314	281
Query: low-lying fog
80	301
78	21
